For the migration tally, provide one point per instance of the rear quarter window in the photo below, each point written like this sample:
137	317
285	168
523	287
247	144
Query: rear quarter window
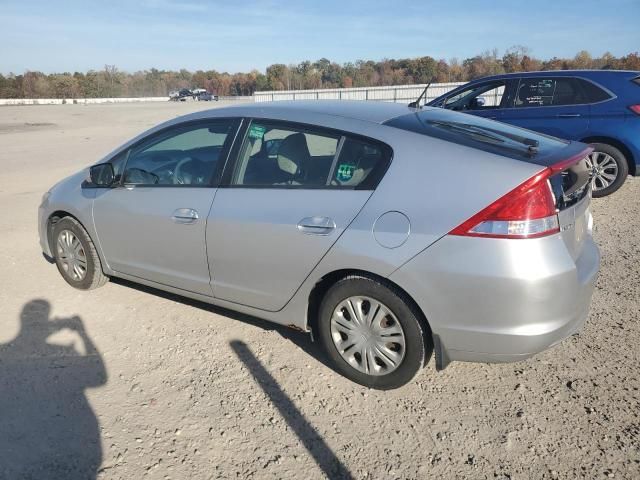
593	93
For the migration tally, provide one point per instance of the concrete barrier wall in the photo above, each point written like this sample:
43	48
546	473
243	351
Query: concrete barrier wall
74	101
86	101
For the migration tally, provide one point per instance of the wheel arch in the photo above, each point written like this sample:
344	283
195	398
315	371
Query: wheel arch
58	215
323	285
617	144
53	219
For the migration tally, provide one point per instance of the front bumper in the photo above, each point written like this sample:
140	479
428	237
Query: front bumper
43	234
489	300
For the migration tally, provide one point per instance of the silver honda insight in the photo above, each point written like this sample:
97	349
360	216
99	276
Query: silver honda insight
389	232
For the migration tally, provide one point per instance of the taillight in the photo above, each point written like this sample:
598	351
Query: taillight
635	109
527	211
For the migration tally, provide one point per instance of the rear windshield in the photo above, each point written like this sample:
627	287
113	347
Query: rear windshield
482	134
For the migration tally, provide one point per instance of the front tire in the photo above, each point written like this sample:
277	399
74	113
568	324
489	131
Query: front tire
609	169
372	333
76	256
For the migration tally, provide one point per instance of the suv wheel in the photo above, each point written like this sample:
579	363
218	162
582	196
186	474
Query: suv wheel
372	333
76	256
609	169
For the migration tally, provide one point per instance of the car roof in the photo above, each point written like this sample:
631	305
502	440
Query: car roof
369	111
560	73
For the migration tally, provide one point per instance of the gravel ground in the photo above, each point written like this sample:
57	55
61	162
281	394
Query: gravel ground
126	382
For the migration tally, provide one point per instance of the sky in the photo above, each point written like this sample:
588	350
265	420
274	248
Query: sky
75	35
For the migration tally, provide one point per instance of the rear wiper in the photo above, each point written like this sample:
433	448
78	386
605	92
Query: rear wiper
491	134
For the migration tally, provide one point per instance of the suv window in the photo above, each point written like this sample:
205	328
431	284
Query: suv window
540	92
477	97
182	156
280	155
592	92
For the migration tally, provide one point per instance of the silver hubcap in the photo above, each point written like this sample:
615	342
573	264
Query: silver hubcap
368	335
604	170
71	255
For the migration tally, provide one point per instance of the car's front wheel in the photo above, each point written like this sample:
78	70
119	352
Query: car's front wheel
76	256
609	169
372	333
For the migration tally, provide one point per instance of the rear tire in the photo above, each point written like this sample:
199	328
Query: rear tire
607	162
391	338
76	256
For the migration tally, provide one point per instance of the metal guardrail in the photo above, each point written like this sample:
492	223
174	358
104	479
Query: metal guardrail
393	93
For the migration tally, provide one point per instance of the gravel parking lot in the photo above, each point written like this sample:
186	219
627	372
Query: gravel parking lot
147	385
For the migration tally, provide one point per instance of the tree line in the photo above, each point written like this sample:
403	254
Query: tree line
112	82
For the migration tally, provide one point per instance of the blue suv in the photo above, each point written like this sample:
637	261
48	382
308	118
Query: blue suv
600	107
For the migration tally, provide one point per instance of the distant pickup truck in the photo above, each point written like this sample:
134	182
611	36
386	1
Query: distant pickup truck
184	94
181	95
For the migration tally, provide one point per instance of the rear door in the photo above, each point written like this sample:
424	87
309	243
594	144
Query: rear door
287	198
556	106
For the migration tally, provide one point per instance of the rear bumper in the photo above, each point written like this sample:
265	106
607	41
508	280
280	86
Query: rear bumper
491	300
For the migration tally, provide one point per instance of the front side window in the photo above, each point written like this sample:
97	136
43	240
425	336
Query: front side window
478	97
182	156
275	155
542	92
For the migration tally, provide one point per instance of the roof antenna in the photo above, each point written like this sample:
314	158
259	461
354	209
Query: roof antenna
416	104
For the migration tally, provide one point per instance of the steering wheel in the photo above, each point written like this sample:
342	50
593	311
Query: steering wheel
178	177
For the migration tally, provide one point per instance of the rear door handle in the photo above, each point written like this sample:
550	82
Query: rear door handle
316	225
568	115
185	215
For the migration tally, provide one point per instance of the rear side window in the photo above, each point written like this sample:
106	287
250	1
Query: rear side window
541	92
289	156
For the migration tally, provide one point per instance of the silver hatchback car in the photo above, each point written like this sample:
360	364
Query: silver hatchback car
388	232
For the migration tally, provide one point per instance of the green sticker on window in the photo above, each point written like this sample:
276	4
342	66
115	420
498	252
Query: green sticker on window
345	172
256	131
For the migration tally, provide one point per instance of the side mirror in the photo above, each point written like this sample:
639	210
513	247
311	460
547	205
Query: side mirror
475	103
102	175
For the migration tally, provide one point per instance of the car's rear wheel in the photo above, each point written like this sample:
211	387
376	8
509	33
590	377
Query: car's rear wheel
76	256
372	333
609	169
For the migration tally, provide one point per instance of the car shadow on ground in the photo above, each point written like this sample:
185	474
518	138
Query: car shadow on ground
47	426
301	339
324	457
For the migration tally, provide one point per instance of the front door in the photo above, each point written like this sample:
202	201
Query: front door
153	224
553	105
290	195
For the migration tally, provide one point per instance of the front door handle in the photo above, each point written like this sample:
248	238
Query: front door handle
185	215
568	115
316	225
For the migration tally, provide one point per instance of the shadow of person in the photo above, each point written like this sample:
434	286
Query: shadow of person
47	427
